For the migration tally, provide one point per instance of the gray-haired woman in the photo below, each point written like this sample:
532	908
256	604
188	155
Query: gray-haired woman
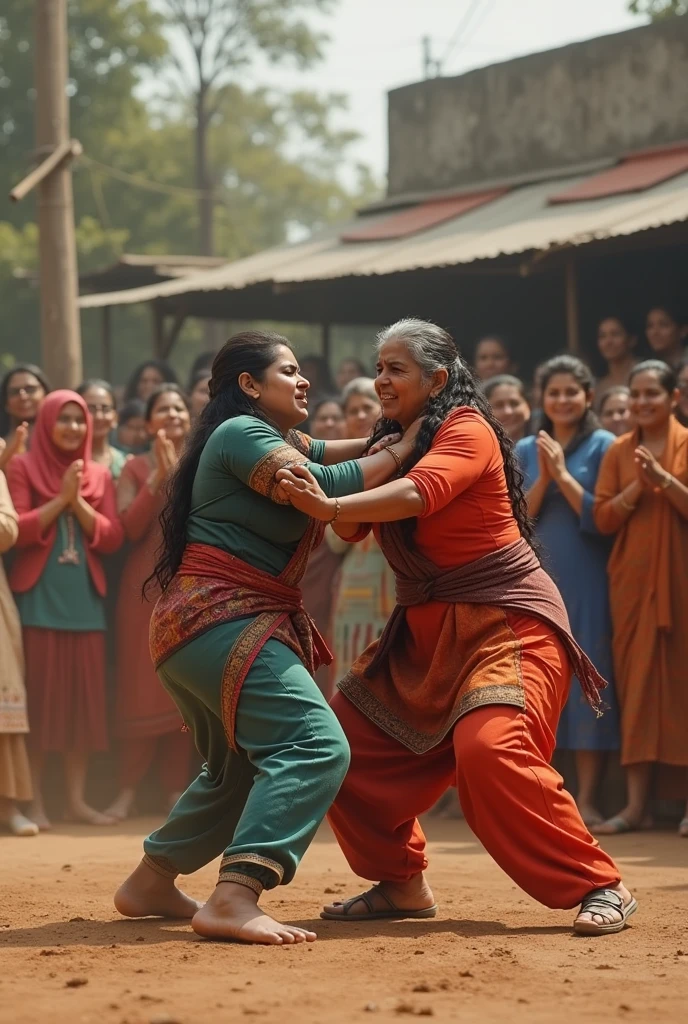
468	679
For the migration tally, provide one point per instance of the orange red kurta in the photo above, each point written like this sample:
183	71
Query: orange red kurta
143	707
648	581
449	652
498	752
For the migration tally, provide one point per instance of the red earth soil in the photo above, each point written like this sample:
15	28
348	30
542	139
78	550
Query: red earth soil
491	955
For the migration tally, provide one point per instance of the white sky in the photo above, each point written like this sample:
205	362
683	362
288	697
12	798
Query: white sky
376	46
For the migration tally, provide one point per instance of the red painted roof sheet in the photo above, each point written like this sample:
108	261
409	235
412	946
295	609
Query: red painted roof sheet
421	217
634	174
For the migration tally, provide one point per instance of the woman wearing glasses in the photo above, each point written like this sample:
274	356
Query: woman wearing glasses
100	401
22	392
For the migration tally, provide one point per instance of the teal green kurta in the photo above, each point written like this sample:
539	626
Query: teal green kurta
232	516
64	597
289	741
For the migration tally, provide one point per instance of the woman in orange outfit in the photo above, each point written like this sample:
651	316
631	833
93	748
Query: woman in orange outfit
467	682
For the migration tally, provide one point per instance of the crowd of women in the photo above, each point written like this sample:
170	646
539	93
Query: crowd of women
81	484
605	463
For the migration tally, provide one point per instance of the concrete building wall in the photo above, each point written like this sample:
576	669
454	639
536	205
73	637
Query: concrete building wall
579	103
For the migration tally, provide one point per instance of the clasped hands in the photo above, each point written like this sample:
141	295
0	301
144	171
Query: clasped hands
298	485
650	474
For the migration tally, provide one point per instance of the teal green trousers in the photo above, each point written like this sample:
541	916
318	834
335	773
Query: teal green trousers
259	808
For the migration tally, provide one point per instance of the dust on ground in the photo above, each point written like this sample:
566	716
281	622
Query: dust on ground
491	955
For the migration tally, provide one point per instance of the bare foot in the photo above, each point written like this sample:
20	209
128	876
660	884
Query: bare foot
37	814
232	912
413	895
121	806
81	812
611	916
148	894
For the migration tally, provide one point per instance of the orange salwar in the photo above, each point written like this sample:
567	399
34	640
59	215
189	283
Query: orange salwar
498	756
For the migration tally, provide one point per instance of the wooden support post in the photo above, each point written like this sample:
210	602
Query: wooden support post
60	328
326	340
171	336
158	330
64	151
106	342
572	322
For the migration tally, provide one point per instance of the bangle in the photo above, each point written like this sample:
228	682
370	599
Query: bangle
397	459
624	504
337	510
665	485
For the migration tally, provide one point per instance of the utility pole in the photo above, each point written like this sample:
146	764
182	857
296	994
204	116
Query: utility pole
431	67
427	57
60	328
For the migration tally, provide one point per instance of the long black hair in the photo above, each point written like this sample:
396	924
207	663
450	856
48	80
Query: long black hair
434	349
582	374
5	419
249	352
163	368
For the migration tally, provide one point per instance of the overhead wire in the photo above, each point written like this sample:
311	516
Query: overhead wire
461	28
138	182
482	16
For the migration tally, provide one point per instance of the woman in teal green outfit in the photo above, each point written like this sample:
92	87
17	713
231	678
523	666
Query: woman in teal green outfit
236	650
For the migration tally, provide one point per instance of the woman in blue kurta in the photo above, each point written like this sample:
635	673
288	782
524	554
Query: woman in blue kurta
235	649
560	465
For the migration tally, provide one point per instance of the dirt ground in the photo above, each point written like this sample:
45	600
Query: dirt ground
491	955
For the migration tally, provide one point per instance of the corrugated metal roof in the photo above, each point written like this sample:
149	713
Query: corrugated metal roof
634	174
421	217
519	222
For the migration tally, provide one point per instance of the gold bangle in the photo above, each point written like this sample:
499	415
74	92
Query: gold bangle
667	483
397	459
337	510
624	504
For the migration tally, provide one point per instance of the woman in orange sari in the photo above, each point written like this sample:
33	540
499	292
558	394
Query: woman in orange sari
642	497
468	680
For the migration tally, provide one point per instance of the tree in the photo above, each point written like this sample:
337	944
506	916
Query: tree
110	43
657	9
276	160
219	38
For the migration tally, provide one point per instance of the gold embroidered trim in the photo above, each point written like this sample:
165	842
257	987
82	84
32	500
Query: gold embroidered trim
249	641
262	477
297	439
161	865
253	858
236	876
419	742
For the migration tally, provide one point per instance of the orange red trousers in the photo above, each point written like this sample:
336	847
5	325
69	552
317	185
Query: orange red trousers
513	799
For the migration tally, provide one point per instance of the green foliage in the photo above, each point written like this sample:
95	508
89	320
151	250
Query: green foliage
657	9
275	158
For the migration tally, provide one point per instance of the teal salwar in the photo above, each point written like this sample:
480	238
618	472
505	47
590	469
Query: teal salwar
259	804
260	807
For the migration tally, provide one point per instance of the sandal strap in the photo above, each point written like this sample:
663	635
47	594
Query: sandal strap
365	898
381	892
601	901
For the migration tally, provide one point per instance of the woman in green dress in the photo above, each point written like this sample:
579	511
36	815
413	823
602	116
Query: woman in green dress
235	649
